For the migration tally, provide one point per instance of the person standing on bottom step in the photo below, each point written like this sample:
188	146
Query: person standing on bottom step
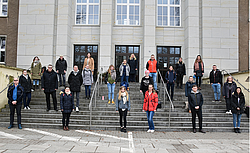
110	79
122	104
25	82
87	80
238	103
170	77
195	100
198	70
180	72
15	95
216	81
188	89
61	68
75	82
67	106
150	105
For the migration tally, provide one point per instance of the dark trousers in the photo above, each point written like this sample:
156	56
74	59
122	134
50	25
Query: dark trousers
26	94
132	77
179	80
48	99
124	115
172	89
12	112
87	90
66	116
198	81
60	78
199	114
228	104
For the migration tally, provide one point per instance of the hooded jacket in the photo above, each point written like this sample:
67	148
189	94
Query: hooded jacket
150	101
87	77
66	102
180	68
75	81
195	99
235	104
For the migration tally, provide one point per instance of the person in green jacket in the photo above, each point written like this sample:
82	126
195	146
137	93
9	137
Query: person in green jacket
36	72
110	79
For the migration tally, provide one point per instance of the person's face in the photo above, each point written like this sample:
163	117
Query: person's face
147	74
124	62
36	59
88	55
194	89
24	72
122	90
16	81
61	57
171	68
67	90
198	57
87	67
214	68
191	79
132	55
50	68
230	79
111	68
150	87
238	90
152	57
75	68
180	59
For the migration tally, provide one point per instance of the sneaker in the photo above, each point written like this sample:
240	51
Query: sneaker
214	101
11	126
24	108
109	102
152	131
124	130
113	101
149	131
28	107
219	101
77	109
230	112
19	126
227	112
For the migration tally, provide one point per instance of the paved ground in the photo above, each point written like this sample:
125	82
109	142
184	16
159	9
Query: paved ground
54	140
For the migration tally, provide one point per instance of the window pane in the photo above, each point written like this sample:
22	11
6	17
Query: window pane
124	1
159	1
177	21
79	1
95	49
118	49
136	10
124	19
123	49
119	17
5	8
96	1
89	49
84	10
78	19
171	50
136	20
84	1
159	10
165	10
136	50
130	50
119	9
172	11
2	57
177	2
91	1
5	1
77	49
176	59
118	1
124	9
95	19
82	59
82	49
171	1
78	10
171	21
165	1
159	20
177	50
131	1
91	19
131	9
165	50
171	61
84	19
96	8
91	11
136	1
177	11
77	59
165	20
159	50
131	20
3	43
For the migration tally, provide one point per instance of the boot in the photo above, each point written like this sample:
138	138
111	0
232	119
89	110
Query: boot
238	129
19	126
235	130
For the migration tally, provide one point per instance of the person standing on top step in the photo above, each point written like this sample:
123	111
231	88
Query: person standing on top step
124	73
122	104
228	88
25	82
132	62
195	100
216	81
180	72
15	95
238	103
110	79
35	71
152	66
87	80
75	82
49	86
145	81
170	78
150	105
188	89
61	68
90	62
198	70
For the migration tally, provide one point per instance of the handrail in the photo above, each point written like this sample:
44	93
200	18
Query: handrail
6	87
234	79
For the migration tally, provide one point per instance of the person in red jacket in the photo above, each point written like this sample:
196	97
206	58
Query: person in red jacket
150	105
152	66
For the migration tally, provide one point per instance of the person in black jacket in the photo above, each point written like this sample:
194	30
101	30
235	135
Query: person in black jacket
228	88
15	95
25	82
170	78
49	86
180	72
145	81
238	103
75	81
195	100
67	106
188	89
132	62
61	68
216	80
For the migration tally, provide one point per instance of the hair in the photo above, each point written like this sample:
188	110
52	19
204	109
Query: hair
152	55
172	67
109	70
87	54
67	87
180	58
24	70
120	92
215	65
131	57
197	59
50	65
235	92
76	65
229	77
153	90
147	71
190	76
194	86
35	58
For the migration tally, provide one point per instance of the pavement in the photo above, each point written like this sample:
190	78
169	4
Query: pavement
30	140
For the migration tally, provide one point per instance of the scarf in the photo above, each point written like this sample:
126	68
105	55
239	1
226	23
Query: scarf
196	65
124	97
113	75
26	76
67	93
35	63
75	72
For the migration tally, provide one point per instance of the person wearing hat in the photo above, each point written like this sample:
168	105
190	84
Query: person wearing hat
61	68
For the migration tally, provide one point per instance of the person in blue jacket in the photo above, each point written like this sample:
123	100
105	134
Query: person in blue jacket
170	78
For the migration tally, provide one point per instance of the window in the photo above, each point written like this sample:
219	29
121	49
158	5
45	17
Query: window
127	12
87	12
2	44
168	12
3	7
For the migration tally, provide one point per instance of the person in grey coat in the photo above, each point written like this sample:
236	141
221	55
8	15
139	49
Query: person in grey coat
122	104
87	80
124	71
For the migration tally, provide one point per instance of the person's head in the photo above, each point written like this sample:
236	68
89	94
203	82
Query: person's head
16	81
87	67
122	90
111	67
147	73
198	58
50	67
171	68
194	88
67	89
61	57
238	90
35	59
25	72
190	79
152	57
214	67
75	68
124	61
180	59
132	56
150	88
229	79
88	55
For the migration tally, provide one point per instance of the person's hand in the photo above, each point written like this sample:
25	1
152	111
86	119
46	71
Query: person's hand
143	110
218	82
176	74
136	69
57	71
211	83
202	73
31	73
238	108
140	91
14	102
39	73
55	89
73	109
108	82
42	88
114	82
117	111
62	110
154	110
194	73
64	71
197	107
224	96
189	111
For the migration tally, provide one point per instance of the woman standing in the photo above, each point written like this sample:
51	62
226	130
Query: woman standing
124	72
89	61
87	80
36	72
228	88
198	70
67	106
188	89
123	106
150	105
180	72
145	81
238	103
132	62
25	82
170	78
110	78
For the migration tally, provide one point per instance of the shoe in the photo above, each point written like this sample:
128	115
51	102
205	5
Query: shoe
11	126
47	109
202	131
113	101
194	130
109	102
238	129
28	107
235	130
64	128
77	109
149	131
124	130
67	128
177	87
181	87
56	110
24	108
19	126
152	131
213	101
86	97
227	112
219	101
230	112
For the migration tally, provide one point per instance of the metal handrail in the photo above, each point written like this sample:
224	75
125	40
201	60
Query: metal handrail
234	79
6	87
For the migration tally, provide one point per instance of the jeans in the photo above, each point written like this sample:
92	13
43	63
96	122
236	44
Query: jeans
199	113
228	104
77	98
238	117
87	88
124	115
60	79
150	115
66	116
132	77
122	78
111	90
36	82
216	88
26	94
154	75
48	99
12	112
172	89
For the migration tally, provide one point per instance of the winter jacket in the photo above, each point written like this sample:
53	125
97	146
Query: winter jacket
75	81
195	99
49	81
225	89
133	65
61	66
120	105
87	77
36	71
188	88
150	101
25	83
170	76
109	79
127	69
20	92
91	64
152	66
235	103
145	82
199	69
215	77
66	102
180	68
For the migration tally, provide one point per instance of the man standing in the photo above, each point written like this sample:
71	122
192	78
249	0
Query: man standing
152	66
50	85
75	81
15	95
216	80
61	68
25	82
180	72
195	100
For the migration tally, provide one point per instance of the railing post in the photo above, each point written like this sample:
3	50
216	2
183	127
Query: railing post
169	115
90	117
98	86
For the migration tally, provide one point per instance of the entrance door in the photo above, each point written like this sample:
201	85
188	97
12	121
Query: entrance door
167	56
123	53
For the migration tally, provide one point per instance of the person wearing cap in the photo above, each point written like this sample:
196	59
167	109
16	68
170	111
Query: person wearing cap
61	68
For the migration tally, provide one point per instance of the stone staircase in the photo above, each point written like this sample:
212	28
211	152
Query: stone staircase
104	116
